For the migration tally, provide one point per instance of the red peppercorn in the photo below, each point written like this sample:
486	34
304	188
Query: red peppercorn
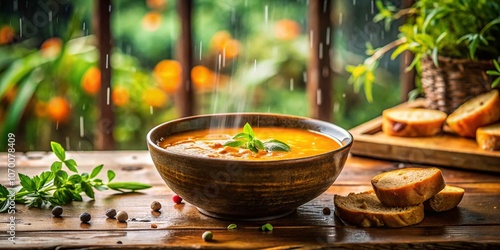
177	199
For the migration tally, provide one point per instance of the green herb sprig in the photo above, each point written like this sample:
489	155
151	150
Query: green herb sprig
58	187
247	139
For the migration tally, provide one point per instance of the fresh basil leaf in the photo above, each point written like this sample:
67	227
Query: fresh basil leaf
76	196
252	148
100	187
111	175
247	129
87	188
76	178
234	144
26	182
4	205
85	176
259	145
58	150
276	145
128	186
242	136
4	192
56	166
267	227
96	171
45	177
71	164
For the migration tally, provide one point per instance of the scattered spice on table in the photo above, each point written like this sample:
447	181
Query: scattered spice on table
122	216
57	211
111	213
177	199
326	211
207	236
155	206
85	217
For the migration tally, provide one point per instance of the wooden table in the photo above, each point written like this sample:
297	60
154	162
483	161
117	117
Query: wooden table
474	224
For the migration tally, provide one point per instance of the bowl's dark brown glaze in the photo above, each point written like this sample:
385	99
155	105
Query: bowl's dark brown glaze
247	190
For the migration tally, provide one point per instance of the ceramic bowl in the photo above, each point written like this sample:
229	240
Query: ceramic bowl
243	189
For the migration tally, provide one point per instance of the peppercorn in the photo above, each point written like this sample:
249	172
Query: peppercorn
207	236
111	213
57	211
122	216
85	217
155	206
177	199
326	211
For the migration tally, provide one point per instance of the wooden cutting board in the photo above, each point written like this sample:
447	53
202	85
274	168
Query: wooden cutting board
446	149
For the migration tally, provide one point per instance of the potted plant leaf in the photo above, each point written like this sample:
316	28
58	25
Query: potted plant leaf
456	47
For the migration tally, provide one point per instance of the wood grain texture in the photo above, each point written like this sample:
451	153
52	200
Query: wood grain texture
445	149
473	224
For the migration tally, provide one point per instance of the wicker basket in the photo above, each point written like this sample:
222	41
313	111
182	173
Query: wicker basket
454	81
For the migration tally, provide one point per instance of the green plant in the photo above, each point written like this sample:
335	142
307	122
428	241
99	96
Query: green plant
57	187
458	29
247	139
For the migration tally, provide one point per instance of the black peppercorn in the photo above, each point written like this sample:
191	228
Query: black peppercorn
57	211
111	213
85	217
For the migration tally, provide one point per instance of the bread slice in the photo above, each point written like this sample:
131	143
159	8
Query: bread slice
445	200
365	210
412	122
479	111
407	186
488	137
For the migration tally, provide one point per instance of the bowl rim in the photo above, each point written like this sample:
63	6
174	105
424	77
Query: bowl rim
187	118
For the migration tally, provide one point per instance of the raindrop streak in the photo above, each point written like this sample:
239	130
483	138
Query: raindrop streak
324	5
320	50
341	18
372	7
107	60
304	76
109	8
318	97
108	90
255	65
353	2
21	27
311	38
15	7
291	84
151	110
224	57
328	36
81	127
201	48
266	14
83	26
67	143
220	61
57	125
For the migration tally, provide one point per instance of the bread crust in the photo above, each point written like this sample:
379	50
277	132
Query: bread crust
402	122
479	111
488	137
445	200
412	192
368	216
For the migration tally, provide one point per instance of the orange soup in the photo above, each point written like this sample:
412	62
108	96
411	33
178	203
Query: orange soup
209	143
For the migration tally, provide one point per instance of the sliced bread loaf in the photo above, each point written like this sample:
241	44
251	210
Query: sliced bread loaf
407	186
445	200
412	122
477	112
488	137
365	210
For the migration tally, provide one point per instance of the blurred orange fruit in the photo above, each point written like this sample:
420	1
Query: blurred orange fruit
151	21
219	40
155	97
232	48
156	4
91	80
168	75
6	34
120	96
286	29
58	109
202	77
51	47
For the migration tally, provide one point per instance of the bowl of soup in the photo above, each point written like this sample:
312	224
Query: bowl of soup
237	183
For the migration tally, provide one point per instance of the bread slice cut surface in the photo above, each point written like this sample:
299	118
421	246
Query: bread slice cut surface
407	186
365	210
445	200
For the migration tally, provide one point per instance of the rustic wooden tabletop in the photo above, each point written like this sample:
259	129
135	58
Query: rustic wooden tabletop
475	223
